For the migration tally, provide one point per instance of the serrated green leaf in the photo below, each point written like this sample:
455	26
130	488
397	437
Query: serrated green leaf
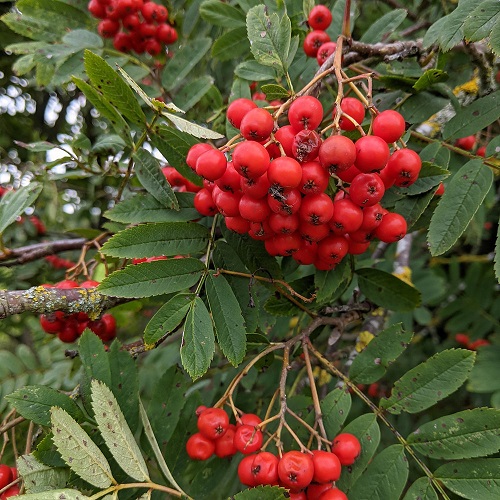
461	200
192	128
421	489
116	432
231	44
167	318
33	402
227	318
38	477
430	382
451	30
148	171
474	117
105	79
222	14
429	78
472	479
66	494
261	493
466	434
192	93
366	429
386	25
371	364
145	208
109	143
412	207
335	409
79	451
153	278
13	203
387	290
481	21
385	477
198	340
269	37
328	282
185	59
254	71
104	108
162	238
148	431
274	91
174	145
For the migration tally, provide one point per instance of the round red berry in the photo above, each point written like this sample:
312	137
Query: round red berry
306	112
247	439
213	423
347	448
245	471
327	466
320	17
257	125
284	172
295	470
366	189
325	51
251	159
313	41
265	468
238	109
355	109
337	153
372	153
389	125
392	228
198	447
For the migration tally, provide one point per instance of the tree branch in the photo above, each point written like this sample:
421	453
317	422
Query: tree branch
41	300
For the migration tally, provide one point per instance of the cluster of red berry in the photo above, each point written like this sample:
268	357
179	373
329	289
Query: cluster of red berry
68	327
178	181
464	339
274	187
7	476
145	23
317	42
308	476
468	144
59	263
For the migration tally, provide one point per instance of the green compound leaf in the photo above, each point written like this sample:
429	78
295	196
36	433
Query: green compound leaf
371	364
412	207
269	37
13	203
466	434
227	318
473	118
33	402
274	91
385	477
117	93
231	44
472	479
198	340
79	451
254	71
153	278
366	429
167	318
116	432
457	206
387	290
421	489
222	14
384	25
144	207
481	21
430	381
148	171
335	408
327	283
38	477
163	238
65	494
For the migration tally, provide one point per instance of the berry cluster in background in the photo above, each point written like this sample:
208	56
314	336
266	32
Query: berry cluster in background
68	327
317	42
308	475
134	25
8	475
277	184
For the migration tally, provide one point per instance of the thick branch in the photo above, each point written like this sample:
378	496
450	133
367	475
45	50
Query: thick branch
36	251
41	300
386	51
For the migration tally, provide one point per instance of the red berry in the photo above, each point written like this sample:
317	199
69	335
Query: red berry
5	475
286	201
198	447
166	34
295	470
306	112
195	152
312	232
355	109
337	153
366	189
109	328
333	494
372	153
372	217
306	253
327	466
392	228
122	42
285	136
238	109
245	471
332	249
389	125
325	51
154	12
347	217
404	166
108	28
257	125
265	468
313	41
211	164
306	145
69	332
250	419
256	188
347	448
481	151
466	143
320	17
247	439
213	423
224	446
314	490
67	284
284	224
50	324
254	209
286	244
316	208
11	492
314	178
250	159
97	9
226	202
204	203
284	172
